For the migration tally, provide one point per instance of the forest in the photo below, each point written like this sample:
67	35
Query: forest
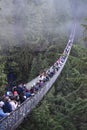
65	106
30	43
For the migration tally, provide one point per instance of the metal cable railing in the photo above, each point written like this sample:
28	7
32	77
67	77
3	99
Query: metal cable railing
16	117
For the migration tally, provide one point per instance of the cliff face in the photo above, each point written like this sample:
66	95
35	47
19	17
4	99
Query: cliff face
28	21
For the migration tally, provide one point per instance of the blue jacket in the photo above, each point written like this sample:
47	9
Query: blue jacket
2	114
7	108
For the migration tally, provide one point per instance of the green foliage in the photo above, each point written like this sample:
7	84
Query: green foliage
35	68
3	77
65	106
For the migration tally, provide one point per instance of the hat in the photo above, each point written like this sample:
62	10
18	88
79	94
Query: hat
15	93
9	93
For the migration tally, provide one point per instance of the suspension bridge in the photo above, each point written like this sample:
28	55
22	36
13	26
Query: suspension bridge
17	116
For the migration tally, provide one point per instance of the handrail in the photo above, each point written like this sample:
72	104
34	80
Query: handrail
16	117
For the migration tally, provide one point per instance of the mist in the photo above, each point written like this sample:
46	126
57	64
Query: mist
29	21
79	14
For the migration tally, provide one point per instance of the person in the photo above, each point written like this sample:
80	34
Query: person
16	95
27	93
7	108
22	97
13	103
9	94
2	113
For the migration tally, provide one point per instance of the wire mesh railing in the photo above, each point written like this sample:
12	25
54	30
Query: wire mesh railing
16	117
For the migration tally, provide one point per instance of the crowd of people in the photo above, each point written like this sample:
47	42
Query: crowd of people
18	94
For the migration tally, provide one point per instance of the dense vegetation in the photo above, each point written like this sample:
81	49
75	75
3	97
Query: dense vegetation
65	106
25	62
35	33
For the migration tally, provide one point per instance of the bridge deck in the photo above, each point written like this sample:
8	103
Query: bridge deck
16	117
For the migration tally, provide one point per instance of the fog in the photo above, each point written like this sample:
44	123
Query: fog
80	14
28	21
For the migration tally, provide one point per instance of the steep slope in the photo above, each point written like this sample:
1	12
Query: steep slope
65	106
